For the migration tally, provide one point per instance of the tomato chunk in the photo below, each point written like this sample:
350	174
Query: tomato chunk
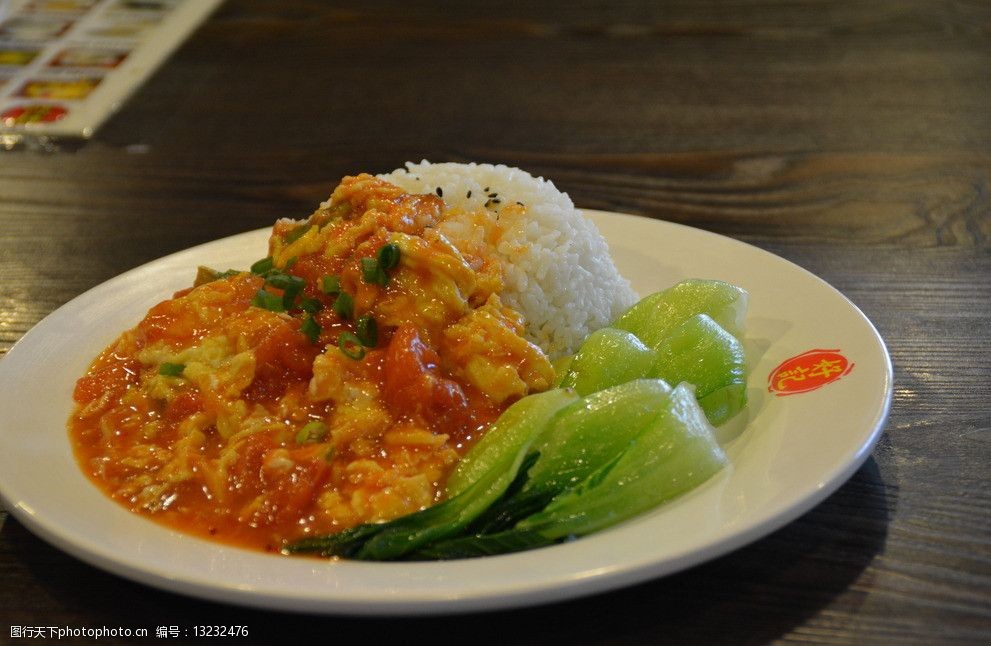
110	373
413	386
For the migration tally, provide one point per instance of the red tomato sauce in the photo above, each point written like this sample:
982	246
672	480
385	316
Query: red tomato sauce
222	416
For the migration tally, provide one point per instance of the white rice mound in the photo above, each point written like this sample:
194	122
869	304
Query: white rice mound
558	271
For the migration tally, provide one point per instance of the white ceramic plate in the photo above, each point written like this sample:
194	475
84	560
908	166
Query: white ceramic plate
787	453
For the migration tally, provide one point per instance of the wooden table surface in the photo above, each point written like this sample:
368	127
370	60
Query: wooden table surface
852	138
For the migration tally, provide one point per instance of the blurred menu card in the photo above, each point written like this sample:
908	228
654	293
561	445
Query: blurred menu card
66	65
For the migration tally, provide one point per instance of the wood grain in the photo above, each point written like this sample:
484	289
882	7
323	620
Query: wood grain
851	138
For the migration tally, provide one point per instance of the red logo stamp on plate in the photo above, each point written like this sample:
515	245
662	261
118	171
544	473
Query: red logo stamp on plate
808	371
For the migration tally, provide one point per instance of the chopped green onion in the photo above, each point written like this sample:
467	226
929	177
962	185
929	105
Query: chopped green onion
206	275
367	331
311	432
263	266
290	285
329	455
375	270
286	282
268	301
351	345
291	262
388	256
330	285
171	369
310	305
296	233
370	270
344	305
310	328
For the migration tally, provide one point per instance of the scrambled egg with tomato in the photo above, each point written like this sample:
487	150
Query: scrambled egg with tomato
336	383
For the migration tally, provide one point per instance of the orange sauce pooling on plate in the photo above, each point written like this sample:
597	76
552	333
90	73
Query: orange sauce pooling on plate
320	393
